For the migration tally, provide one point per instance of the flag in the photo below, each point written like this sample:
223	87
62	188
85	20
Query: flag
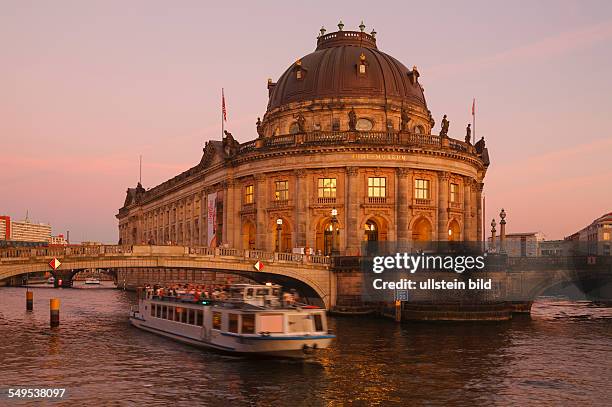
223	110
474	107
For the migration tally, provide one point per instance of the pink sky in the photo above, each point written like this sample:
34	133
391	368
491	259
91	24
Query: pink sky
88	86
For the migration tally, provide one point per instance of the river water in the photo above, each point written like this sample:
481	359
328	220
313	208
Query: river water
562	354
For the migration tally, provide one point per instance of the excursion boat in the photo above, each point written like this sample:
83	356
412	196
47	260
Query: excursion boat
251	321
51	280
92	281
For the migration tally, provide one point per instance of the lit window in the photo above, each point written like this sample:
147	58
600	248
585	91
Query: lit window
216	320
606	235
362	68
233	323
248	194
281	190
298	74
377	187
327	187
421	189
454	192
248	323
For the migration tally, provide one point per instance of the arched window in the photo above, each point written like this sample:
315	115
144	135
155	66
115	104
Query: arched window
294	128
419	129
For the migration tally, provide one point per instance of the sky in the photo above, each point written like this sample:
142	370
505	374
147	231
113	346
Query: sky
87	87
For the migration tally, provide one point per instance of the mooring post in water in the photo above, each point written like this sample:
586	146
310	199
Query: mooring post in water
398	311
55	308
29	300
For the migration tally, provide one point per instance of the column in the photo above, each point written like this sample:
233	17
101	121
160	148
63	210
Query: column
238	194
479	225
229	215
260	216
467	210
204	217
352	227
443	178
403	199
301	207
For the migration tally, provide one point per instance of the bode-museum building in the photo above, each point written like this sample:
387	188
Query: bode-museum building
345	153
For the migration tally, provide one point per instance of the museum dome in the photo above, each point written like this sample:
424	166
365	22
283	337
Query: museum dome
346	64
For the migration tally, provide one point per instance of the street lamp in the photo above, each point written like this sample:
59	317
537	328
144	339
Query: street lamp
493	224
335	232
279	229
502	231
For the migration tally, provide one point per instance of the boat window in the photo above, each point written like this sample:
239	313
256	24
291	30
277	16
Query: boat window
275	292
200	321
271	323
192	320
248	323
299	323
158	311
318	322
262	291
183	315
233	323
216	320
171	313
152	310
164	312
250	293
177	316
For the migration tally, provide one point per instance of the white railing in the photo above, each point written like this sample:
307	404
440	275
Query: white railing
44	253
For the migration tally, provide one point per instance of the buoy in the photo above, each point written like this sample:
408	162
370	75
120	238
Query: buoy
54	304
29	300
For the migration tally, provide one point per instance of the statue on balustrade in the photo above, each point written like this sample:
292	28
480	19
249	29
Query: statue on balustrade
444	130
230	145
352	119
259	128
405	120
301	122
468	133
480	145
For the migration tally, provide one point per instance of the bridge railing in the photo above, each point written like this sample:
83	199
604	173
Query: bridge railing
145	250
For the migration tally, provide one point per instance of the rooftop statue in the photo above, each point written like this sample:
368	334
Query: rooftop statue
230	145
405	120
301	122
480	145
259	127
444	130
468	133
352	119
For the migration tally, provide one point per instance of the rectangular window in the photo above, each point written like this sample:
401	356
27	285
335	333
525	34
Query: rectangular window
281	190
171	313
327	187
153	310
454	192
179	313
336	124
200	321
318	322
216	320
158	311
233	323
248	194
606	235
248	323
362	68
377	187
164	313
421	189
191	316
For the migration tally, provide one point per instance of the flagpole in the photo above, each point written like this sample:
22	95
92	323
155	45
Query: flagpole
222	115
474	118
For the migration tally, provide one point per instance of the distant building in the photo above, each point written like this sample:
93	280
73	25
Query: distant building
58	240
521	244
26	231
594	239
89	243
554	248
5	228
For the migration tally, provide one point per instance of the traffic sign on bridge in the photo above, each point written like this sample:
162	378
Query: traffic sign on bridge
55	263
258	266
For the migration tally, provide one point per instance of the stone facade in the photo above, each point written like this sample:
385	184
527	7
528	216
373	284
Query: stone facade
333	138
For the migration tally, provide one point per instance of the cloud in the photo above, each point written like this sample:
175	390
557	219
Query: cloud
543	49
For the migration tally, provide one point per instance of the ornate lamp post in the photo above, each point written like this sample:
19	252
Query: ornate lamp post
492	247
279	230
502	232
335	232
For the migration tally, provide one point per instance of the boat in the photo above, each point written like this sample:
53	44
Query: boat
92	281
251	321
51	280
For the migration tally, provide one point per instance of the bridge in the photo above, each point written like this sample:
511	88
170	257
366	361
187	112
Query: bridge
309	273
318	278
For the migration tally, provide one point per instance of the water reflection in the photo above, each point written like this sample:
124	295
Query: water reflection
558	356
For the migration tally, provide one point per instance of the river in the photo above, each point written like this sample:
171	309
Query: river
562	354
